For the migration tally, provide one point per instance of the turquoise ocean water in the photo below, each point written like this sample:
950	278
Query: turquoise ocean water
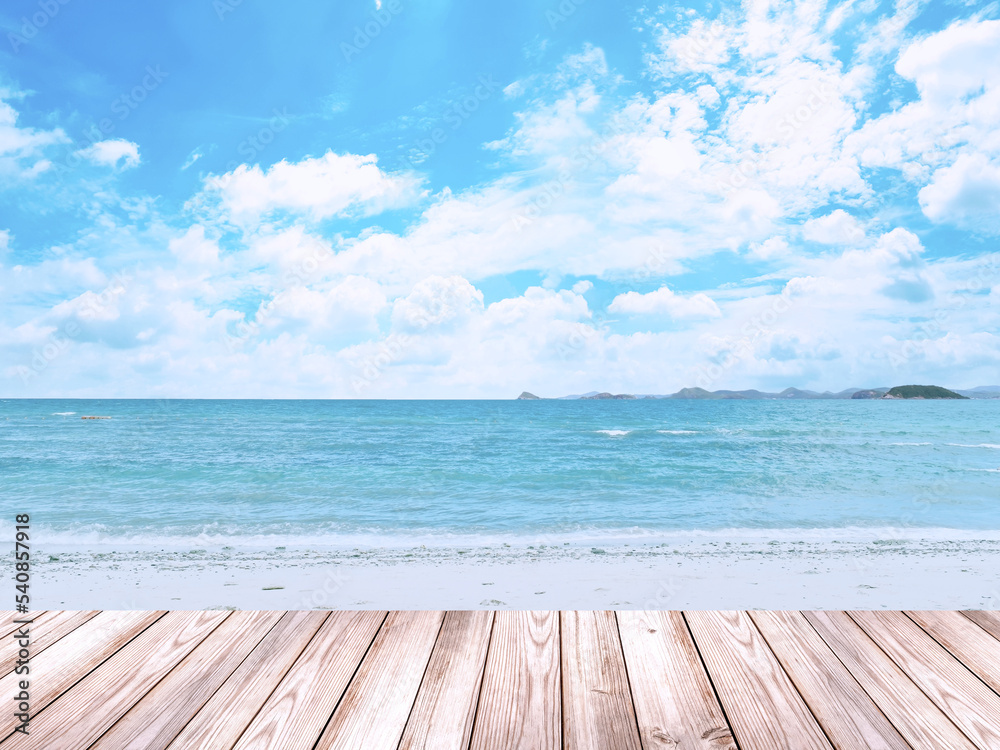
340	472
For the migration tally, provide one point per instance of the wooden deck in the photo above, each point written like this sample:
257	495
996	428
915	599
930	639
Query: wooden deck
533	680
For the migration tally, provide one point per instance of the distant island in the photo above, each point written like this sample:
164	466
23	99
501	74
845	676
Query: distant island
919	392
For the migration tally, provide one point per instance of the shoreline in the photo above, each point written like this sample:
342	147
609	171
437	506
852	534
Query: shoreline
734	573
85	540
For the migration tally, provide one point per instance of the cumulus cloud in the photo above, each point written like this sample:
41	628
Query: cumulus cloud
757	140
665	302
116	152
435	301
966	194
945	142
953	63
836	228
194	249
346	309
316	187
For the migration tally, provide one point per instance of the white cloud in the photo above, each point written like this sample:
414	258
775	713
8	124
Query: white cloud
435	301
5	237
966	194
316	187
665	302
946	142
192	158
346	309
194	249
836	228
23	144
950	65
116	152
772	247
755	129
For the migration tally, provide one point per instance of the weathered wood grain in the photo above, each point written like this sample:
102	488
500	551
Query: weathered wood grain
47	628
674	702
68	660
533	680
520	702
221	721
78	718
968	642
988	621
843	709
762	704
7	617
597	702
446	702
917	719
153	722
295	714
945	680
373	711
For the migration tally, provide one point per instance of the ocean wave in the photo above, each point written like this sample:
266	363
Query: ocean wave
63	413
991	470
910	444
615	433
678	432
259	539
994	446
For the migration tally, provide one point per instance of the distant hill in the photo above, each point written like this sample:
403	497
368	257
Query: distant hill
982	391
870	393
788	393
525	396
917	391
921	391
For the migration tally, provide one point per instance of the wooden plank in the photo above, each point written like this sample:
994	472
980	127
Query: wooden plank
68	660
7	617
945	680
917	719
843	709
597	703
300	707
37	620
443	713
79	717
763	707
155	720
520	704
375	707
675	705
970	644
221	721
47	628
988	621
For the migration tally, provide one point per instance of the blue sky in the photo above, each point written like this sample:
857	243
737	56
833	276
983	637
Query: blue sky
439	199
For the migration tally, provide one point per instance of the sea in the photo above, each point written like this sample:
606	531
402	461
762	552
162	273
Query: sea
239	473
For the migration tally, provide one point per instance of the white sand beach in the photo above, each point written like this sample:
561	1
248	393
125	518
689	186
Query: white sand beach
707	574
